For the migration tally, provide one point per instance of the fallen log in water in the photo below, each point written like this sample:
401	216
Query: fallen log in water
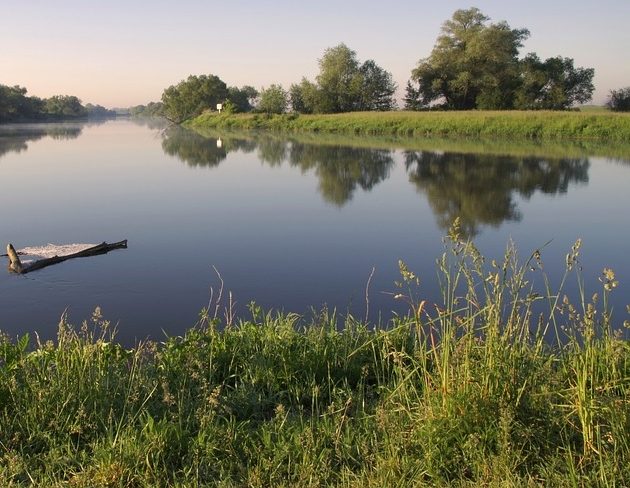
16	266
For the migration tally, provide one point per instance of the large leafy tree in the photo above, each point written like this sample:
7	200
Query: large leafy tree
377	88
192	96
553	84
339	80
344	84
473	64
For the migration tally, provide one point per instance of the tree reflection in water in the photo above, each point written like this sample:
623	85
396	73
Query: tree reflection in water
341	169
197	150
480	189
15	137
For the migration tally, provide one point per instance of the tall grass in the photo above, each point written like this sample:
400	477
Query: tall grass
542	125
503	383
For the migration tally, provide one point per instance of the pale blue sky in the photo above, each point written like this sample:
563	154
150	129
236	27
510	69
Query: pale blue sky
121	53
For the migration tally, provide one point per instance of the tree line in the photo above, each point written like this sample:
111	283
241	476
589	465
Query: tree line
344	84
474	64
17	106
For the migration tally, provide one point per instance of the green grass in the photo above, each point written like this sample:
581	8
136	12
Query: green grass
467	392
594	108
559	149
540	125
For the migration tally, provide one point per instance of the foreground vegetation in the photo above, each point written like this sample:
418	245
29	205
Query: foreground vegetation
470	392
543	125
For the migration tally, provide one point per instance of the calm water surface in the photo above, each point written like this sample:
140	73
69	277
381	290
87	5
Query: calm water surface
291	224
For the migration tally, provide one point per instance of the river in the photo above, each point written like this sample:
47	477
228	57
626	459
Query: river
294	224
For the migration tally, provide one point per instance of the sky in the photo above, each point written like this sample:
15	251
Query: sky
122	53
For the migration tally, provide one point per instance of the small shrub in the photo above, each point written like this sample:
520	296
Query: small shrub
619	100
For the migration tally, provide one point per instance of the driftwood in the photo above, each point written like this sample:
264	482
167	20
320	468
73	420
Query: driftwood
16	266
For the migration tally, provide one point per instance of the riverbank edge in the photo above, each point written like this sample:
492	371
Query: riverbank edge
465	393
532	125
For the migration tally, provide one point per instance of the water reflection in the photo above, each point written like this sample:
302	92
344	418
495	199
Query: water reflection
270	232
196	150
481	189
340	169
15	137
192	148
153	123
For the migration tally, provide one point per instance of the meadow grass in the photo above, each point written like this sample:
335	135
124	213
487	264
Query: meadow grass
541	125
472	391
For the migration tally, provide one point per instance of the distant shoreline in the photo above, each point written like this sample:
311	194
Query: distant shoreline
60	119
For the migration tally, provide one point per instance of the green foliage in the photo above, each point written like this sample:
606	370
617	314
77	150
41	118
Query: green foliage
465	392
152	109
243	99
15	105
377	88
474	65
273	100
99	112
61	106
344	85
304	97
338	80
192	96
553	84
619	100
413	98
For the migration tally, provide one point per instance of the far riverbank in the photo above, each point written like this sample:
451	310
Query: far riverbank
537	125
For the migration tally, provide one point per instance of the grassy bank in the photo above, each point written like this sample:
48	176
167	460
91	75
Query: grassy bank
540	125
559	149
464	393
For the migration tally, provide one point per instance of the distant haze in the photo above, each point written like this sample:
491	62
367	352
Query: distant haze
119	53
